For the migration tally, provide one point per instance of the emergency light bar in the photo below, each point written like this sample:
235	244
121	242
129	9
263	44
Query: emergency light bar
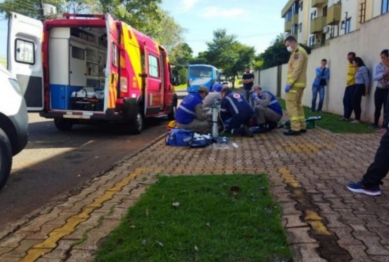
97	17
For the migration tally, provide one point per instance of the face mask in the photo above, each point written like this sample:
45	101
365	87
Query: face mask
289	48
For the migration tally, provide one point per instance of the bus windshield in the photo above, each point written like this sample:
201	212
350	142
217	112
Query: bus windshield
200	71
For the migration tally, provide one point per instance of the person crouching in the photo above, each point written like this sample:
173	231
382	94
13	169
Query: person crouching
268	111
190	114
235	106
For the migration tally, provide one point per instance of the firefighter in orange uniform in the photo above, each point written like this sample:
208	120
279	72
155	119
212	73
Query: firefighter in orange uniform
296	82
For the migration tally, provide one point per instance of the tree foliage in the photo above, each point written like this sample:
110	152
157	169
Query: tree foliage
168	33
277	54
226	53
143	15
181	54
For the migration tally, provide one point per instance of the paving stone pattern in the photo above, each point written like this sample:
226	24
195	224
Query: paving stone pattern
307	175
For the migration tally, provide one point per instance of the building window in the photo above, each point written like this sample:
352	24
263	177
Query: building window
325	11
295	8
300	27
385	6
311	40
346	25
313	15
301	6
288	16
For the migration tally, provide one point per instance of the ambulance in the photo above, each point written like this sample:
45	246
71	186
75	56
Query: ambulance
82	68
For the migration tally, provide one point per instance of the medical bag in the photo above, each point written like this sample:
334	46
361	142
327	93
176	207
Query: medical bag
178	137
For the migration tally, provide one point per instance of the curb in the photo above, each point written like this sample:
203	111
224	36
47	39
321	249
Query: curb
14	226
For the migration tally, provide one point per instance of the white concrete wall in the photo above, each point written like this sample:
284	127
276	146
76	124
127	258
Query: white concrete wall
256	77
368	42
268	79
376	7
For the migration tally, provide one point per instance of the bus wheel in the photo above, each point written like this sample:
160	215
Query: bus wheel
63	124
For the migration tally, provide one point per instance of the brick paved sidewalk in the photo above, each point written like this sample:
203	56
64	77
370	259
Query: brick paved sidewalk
307	174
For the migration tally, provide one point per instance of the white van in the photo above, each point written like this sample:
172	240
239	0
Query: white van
13	122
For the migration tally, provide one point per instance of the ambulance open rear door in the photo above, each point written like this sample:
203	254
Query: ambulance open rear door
24	57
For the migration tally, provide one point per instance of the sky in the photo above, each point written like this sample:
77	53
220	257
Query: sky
254	22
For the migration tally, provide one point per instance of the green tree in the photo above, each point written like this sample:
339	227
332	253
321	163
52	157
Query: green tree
277	54
200	59
226	53
168	32
29	8
258	61
143	15
181	54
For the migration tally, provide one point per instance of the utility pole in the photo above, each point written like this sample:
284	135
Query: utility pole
41	13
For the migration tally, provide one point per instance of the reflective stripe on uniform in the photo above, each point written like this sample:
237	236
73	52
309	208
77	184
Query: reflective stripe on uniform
293	118
232	104
273	102
299	84
223	110
186	110
301	118
292	91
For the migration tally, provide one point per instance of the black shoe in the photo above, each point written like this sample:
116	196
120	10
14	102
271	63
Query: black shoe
292	133
303	131
246	131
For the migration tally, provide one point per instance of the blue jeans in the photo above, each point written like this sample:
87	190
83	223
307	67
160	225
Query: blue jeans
315	90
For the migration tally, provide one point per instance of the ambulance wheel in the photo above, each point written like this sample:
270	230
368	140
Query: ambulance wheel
136	124
63	124
172	114
5	158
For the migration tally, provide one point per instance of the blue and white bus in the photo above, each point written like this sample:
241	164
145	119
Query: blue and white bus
202	75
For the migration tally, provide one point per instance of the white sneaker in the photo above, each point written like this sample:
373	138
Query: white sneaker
355	122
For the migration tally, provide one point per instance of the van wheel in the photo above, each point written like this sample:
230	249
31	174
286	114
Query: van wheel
5	158
63	124
136	124
172	114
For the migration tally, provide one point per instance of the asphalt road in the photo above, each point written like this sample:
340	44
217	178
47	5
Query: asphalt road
56	163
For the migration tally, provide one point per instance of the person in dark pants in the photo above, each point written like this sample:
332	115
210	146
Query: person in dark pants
381	94
350	88
371	181
248	82
234	106
362	81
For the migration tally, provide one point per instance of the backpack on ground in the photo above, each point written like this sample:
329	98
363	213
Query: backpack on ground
178	137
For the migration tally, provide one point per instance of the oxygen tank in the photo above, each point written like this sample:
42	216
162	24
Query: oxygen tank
215	115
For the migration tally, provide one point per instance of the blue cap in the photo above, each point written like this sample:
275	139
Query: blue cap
217	88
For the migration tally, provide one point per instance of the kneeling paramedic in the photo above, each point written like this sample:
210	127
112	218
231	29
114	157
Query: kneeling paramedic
235	106
190	113
268	111
213	96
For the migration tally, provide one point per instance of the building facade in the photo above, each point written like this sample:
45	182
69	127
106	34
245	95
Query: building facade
316	22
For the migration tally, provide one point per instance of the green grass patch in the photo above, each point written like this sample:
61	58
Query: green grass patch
218	218
181	87
331	122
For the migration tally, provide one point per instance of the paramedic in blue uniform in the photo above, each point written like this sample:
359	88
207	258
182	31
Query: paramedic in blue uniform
190	114
268	111
235	106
